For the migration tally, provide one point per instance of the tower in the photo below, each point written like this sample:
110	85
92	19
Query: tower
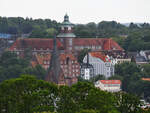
55	73
66	34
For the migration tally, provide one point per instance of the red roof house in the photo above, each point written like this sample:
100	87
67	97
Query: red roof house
109	85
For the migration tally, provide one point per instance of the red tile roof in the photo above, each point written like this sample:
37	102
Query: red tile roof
100	55
110	44
36	43
88	41
105	43
110	81
64	56
42	58
146	79
46	57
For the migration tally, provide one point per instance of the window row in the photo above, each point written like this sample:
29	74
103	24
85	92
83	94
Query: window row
88	47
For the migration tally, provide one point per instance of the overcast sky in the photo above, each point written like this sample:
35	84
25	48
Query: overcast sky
79	11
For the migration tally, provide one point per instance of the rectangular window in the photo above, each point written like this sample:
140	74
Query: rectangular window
82	71
70	42
76	70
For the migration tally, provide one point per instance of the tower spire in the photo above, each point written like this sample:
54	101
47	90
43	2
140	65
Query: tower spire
55	73
66	18
55	43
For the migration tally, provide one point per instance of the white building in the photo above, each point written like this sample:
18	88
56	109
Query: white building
109	85
87	71
101	63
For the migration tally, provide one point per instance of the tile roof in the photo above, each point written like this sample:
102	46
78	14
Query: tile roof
110	81
146	79
100	55
110	44
106	43
37	43
87	41
42	58
64	56
46	57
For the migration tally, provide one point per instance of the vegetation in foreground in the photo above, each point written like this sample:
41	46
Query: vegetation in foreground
27	94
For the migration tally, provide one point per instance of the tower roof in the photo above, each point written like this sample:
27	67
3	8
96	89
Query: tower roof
66	32
66	21
55	73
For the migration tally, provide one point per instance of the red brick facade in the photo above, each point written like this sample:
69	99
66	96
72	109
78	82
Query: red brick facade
68	47
68	63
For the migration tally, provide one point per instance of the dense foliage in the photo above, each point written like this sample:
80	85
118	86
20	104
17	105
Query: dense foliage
82	54
131	76
28	95
12	67
34	27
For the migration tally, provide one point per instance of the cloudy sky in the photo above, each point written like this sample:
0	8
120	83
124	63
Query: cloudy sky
80	11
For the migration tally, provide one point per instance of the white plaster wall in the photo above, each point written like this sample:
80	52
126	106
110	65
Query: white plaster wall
99	66
105	87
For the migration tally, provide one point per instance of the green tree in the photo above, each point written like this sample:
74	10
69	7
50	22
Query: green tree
51	32
128	103
11	66
37	71
97	77
27	95
82	54
86	96
66	104
87	111
125	69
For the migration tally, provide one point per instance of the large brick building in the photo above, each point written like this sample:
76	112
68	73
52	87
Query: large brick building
68	63
67	44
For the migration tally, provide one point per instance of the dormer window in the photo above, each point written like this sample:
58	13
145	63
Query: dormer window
114	48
